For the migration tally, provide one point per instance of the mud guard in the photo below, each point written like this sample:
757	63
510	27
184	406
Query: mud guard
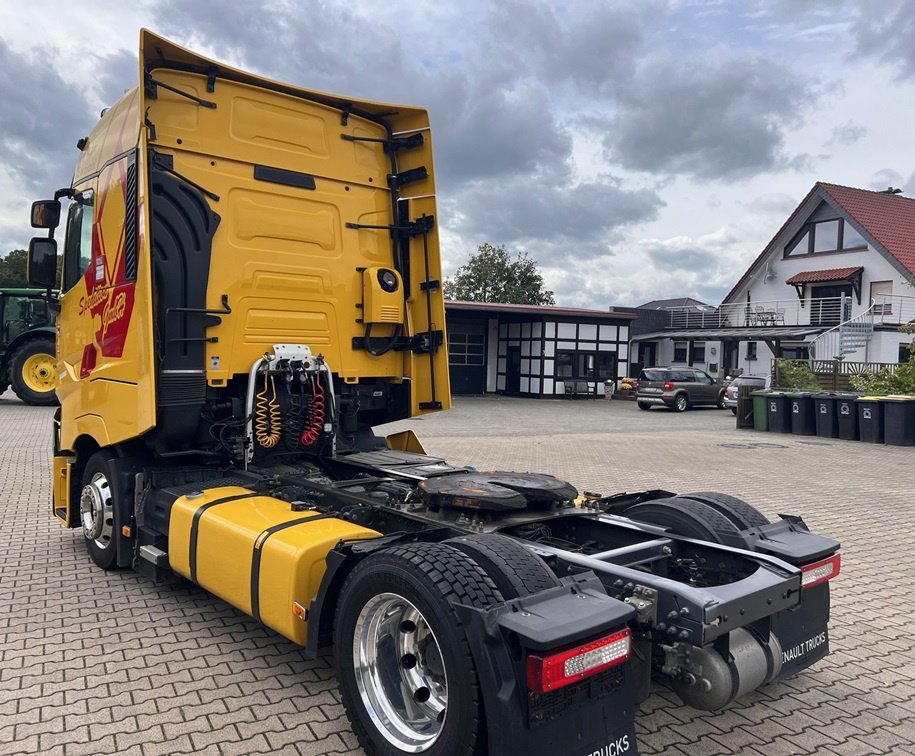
593	718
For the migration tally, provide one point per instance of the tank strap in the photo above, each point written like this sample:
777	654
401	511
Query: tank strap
195	526
258	550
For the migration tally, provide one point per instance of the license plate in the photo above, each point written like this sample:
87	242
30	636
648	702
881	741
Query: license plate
651	390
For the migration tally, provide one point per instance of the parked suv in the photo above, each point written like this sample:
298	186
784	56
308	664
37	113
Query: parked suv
678	388
756	382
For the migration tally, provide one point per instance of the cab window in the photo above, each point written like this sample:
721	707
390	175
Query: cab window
78	242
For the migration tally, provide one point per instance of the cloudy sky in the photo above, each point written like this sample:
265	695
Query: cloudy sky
636	150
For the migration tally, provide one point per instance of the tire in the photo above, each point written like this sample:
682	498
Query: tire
393	603
98	510
33	372
515	570
690	518
644	406
681	403
3	388
734	411
721	402
743	515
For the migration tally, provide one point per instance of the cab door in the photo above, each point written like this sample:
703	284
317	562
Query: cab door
75	322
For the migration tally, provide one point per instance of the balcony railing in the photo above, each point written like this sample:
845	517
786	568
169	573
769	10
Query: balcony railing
820	313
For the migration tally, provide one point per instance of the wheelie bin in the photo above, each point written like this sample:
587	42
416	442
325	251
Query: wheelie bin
779	412
870	419
803	419
899	420
760	410
827	416
847	411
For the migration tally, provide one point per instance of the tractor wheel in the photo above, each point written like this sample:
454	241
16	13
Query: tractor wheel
743	515
515	570
98	510
406	673
33	372
690	518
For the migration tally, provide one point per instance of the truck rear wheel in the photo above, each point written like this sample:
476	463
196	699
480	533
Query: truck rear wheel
515	570
98	511
33	372
406	673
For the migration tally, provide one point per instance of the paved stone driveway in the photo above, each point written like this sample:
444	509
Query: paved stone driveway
107	663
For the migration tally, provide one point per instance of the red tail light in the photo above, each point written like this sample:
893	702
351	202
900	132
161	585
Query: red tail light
554	671
819	572
669	386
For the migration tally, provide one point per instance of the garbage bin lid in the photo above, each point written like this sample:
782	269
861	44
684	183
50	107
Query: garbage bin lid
869	399
899	398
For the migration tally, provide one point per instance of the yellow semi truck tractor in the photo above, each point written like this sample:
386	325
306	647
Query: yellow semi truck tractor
251	283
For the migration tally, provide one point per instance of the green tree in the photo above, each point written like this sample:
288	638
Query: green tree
13	269
491	275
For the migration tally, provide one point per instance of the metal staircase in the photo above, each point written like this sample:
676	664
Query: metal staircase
845	338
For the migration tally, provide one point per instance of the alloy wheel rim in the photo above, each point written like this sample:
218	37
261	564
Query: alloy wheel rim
400	672
97	511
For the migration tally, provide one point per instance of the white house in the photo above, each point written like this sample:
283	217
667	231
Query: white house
835	282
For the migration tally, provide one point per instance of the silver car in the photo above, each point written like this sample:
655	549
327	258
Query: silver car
756	382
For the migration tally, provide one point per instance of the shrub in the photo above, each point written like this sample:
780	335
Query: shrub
796	374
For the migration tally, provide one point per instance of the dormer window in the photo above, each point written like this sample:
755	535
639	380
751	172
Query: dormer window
825	237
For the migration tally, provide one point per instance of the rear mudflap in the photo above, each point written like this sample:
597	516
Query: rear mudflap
594	717
802	631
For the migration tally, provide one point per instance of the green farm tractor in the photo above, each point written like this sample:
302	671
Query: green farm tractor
27	361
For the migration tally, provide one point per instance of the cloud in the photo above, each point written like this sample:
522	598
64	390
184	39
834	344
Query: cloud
885	32
37	100
713	117
577	218
887	177
847	134
592	48
683	258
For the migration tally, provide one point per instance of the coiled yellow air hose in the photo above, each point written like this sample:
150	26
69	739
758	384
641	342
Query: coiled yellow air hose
267	419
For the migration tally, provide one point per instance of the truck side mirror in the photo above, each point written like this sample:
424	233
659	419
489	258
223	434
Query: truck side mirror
43	262
45	214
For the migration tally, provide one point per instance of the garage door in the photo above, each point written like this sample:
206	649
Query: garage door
467	357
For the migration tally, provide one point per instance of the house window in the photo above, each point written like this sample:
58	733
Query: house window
823	237
581	365
681	350
881	292
905	352
826	236
465	348
606	365
698	352
751	350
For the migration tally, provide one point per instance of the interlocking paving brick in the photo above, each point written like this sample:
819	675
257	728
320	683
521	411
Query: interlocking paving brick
94	662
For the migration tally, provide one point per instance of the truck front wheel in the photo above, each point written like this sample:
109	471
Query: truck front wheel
98	511
406	673
33	372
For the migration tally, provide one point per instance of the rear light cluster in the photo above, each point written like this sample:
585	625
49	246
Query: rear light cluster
669	386
819	572
557	670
